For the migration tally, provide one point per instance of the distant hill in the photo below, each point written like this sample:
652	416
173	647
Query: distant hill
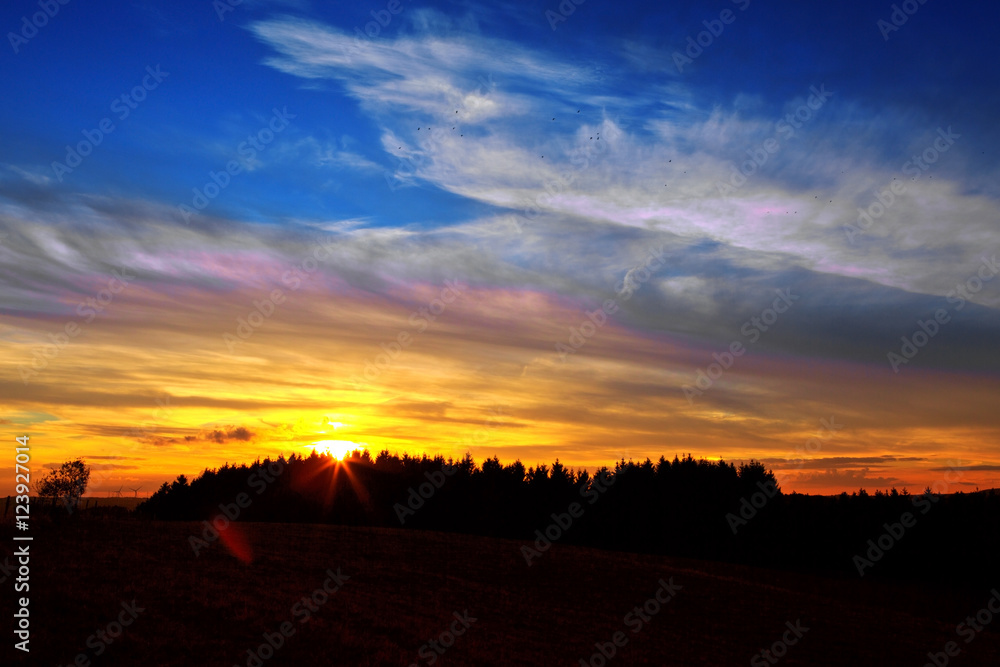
86	503
682	507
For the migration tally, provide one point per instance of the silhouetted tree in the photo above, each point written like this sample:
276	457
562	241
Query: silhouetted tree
67	483
676	507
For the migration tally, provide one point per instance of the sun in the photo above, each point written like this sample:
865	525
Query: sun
335	448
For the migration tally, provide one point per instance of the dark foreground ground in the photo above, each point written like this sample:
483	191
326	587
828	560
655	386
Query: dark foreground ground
404	588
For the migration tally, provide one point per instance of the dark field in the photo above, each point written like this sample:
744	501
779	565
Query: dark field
404	587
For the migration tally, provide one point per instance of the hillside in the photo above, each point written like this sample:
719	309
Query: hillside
405	586
685	508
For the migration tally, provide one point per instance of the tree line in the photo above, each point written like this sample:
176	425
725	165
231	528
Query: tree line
681	507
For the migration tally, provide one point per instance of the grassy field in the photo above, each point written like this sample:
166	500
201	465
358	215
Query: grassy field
404	588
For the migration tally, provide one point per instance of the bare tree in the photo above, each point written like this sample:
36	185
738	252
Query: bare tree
67	483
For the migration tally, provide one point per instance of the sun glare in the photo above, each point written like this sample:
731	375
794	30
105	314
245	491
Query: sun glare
338	449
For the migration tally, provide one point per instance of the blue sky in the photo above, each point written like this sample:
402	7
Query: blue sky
539	161
935	69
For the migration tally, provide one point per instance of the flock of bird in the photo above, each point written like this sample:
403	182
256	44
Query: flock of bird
462	135
598	135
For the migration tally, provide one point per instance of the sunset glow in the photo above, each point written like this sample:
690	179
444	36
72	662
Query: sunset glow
335	448
481	233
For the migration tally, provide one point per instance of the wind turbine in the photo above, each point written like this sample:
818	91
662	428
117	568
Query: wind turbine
118	493
135	490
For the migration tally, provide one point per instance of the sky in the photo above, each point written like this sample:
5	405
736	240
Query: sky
533	230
